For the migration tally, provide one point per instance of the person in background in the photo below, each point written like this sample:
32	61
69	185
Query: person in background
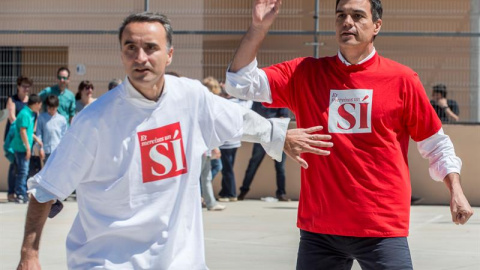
51	126
22	144
228	152
65	96
258	154
114	83
447	109
15	104
210	157
84	96
216	88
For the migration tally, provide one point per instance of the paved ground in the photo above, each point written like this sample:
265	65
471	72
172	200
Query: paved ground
259	235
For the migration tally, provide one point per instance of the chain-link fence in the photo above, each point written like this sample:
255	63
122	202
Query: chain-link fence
439	39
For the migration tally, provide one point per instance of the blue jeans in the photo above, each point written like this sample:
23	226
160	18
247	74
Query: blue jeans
334	252
11	177
206	183
216	166
258	153
22	174
228	179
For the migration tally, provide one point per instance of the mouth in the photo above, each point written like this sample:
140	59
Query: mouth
141	70
346	34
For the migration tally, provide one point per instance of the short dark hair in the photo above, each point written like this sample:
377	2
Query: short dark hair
52	101
62	69
376	9
23	79
440	88
114	83
33	99
81	86
148	17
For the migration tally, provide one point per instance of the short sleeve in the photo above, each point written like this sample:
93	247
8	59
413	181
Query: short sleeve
22	121
44	93
420	118
68	165
220	120
280	79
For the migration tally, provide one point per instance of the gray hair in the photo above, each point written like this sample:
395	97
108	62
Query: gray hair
148	17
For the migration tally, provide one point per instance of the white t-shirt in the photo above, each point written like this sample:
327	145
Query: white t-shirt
135	165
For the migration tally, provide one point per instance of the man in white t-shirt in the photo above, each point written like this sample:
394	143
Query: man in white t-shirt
134	156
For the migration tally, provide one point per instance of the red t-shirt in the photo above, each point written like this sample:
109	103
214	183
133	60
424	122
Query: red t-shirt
362	188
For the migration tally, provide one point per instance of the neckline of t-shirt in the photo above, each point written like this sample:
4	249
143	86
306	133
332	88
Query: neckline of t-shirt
357	67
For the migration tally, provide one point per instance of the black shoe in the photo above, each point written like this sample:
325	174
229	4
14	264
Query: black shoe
415	200
283	198
242	195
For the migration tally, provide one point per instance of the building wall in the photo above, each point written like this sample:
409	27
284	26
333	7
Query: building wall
467	146
436	59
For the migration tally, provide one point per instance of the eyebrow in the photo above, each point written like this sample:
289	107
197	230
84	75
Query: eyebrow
151	43
127	42
354	11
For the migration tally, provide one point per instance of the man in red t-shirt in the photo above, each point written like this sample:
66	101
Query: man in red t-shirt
354	202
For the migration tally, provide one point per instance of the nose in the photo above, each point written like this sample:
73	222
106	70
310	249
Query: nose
141	56
348	22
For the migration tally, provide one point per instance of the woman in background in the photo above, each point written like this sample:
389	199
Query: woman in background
84	95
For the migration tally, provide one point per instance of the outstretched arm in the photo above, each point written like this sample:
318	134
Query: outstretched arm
263	14
36	217
459	207
274	137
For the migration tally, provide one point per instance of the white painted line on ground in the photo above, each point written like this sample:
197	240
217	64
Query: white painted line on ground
430	221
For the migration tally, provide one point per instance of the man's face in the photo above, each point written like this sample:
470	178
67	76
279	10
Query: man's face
51	110
63	79
23	89
145	54
354	26
436	96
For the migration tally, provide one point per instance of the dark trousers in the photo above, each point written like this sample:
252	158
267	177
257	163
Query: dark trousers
12	171
258	153
333	252
228	177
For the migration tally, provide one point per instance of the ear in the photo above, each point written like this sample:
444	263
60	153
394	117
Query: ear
170	56
378	25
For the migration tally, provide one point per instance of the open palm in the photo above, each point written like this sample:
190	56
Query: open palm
265	11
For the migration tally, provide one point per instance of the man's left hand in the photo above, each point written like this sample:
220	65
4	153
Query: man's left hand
302	140
460	208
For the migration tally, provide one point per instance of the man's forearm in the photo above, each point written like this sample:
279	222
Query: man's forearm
452	181
248	49
270	133
36	216
451	114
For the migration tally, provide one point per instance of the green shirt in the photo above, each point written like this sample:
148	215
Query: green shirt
25	119
65	98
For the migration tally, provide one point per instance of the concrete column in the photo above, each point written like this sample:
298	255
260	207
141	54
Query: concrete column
475	62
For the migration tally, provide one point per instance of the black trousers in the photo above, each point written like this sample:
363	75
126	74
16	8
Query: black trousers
333	252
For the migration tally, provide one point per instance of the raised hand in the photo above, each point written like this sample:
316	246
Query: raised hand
264	12
302	140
